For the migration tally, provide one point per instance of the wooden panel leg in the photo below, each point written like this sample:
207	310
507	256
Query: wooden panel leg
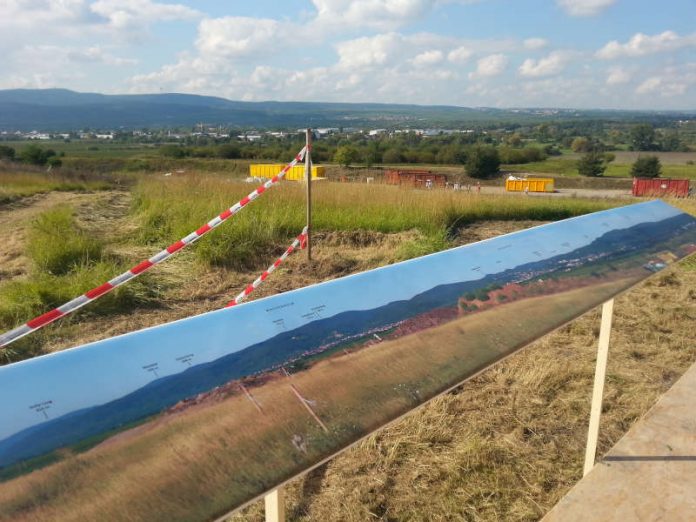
275	505
598	390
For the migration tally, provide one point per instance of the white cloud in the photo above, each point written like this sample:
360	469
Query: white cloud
552	64
67	15
428	58
378	14
459	55
649	85
641	44
584	7
369	51
670	82
489	66
375	14
535	43
661	86
618	76
136	13
236	36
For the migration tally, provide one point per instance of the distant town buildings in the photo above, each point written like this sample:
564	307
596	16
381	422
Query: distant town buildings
200	131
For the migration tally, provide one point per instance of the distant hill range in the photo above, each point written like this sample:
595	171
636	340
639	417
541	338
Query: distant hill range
64	110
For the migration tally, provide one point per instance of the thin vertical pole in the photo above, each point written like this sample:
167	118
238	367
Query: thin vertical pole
308	178
275	505
598	390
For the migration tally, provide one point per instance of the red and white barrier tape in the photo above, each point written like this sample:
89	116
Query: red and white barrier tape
300	241
138	269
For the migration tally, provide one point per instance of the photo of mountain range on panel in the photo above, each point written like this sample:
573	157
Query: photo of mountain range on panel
193	419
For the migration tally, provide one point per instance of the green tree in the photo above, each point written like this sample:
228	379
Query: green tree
482	161
580	144
345	155
643	137
373	154
35	155
670	142
7	152
514	140
646	167
451	154
592	164
392	155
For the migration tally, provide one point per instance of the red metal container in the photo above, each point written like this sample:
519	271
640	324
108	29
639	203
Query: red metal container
657	187
415	178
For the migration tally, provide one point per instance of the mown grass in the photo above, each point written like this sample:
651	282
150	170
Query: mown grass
171	208
17	185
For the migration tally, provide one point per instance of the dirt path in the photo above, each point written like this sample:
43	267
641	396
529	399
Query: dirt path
565	192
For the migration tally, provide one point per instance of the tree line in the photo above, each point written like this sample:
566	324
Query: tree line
33	155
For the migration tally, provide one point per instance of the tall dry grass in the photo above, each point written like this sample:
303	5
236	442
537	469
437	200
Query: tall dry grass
170	208
15	185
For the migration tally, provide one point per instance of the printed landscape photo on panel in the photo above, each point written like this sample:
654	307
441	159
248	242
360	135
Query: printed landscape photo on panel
192	419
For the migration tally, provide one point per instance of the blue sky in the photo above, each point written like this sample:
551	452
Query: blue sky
635	54
106	370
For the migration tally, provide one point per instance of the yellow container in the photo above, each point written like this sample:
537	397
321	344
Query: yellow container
530	185
296	173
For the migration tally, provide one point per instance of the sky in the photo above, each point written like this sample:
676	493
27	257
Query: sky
106	370
621	54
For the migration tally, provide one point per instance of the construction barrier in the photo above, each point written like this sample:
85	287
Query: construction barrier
143	266
266	170
513	184
300	241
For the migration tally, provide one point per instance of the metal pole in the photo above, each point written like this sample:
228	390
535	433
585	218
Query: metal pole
598	390
308	179
275	505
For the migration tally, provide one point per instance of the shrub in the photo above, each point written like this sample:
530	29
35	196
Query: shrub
54	161
35	155
527	155
229	151
346	155
173	151
7	152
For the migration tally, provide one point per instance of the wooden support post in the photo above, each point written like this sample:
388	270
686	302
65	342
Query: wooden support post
308	180
275	505
598	390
